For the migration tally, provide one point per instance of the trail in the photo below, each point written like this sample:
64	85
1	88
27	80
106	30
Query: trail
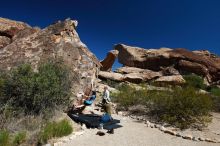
133	133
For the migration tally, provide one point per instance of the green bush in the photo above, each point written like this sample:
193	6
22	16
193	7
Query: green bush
34	92
110	83
215	92
195	81
55	129
19	138
128	96
4	138
181	107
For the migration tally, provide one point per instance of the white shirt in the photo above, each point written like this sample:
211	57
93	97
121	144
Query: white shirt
106	96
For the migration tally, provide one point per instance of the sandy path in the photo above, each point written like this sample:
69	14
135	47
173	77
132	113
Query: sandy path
132	133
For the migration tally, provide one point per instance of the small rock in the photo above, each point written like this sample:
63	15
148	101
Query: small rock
79	133
178	135
132	117
157	126
58	144
170	132
124	114
195	139
141	118
201	139
72	137
83	127
48	144
151	125
120	113
148	123
162	128
100	133
210	140
189	137
207	139
65	140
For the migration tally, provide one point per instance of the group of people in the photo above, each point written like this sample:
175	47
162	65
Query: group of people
87	100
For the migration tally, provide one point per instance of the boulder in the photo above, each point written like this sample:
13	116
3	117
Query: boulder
167	71
188	66
151	59
127	70
184	61
108	62
111	76
135	77
57	41
175	80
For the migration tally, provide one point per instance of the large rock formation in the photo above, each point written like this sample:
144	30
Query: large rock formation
20	43
202	63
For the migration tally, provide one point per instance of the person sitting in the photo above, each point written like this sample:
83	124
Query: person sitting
85	100
91	99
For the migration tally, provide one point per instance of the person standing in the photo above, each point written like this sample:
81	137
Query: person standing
106	101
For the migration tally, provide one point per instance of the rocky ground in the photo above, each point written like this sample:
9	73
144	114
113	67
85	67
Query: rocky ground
135	133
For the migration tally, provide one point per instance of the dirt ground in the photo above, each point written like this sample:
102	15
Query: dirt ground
135	133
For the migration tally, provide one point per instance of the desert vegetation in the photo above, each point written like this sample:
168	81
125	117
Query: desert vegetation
181	106
29	99
55	129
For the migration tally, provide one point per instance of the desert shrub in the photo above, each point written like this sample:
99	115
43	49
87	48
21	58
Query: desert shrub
181	107
110	83
195	81
7	139
128	96
19	138
34	92
1	86
55	129
215	92
4	138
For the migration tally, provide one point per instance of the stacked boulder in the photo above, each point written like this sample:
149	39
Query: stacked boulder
164	65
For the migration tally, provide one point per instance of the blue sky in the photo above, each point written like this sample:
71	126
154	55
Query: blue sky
191	24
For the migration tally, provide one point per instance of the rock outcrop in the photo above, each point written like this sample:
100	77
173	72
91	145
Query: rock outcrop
181	61
130	74
174	80
108	62
8	29
20	43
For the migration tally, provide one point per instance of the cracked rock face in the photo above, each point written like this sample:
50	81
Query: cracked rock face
8	29
21	43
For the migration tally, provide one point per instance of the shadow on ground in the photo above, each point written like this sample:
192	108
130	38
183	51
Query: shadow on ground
93	121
